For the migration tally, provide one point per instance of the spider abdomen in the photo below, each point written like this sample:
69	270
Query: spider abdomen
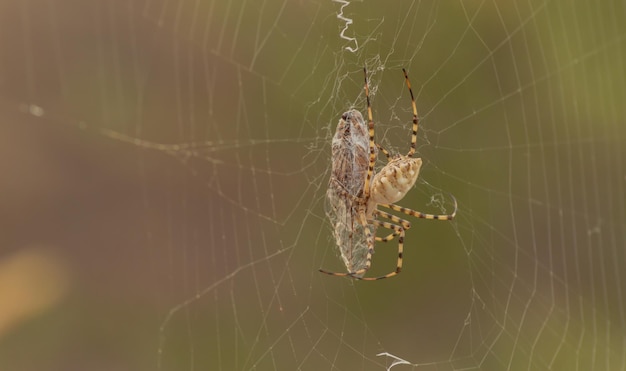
395	179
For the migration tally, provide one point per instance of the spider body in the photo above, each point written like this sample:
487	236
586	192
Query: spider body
355	191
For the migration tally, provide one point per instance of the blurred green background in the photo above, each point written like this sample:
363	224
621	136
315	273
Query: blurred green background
164	166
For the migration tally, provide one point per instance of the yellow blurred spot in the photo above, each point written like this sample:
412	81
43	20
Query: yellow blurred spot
31	282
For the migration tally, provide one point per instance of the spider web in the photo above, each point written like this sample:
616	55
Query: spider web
165	165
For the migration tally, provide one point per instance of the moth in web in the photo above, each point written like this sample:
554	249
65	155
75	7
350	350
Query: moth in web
355	192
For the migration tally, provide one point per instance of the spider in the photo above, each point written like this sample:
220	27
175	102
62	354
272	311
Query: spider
355	192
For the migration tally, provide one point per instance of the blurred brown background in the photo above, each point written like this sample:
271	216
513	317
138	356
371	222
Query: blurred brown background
163	167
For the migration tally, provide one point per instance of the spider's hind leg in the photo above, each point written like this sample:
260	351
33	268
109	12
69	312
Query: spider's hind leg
398	231
405	225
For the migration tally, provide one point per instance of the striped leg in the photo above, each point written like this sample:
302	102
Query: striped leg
415	119
405	225
384	151
421	215
372	145
398	230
